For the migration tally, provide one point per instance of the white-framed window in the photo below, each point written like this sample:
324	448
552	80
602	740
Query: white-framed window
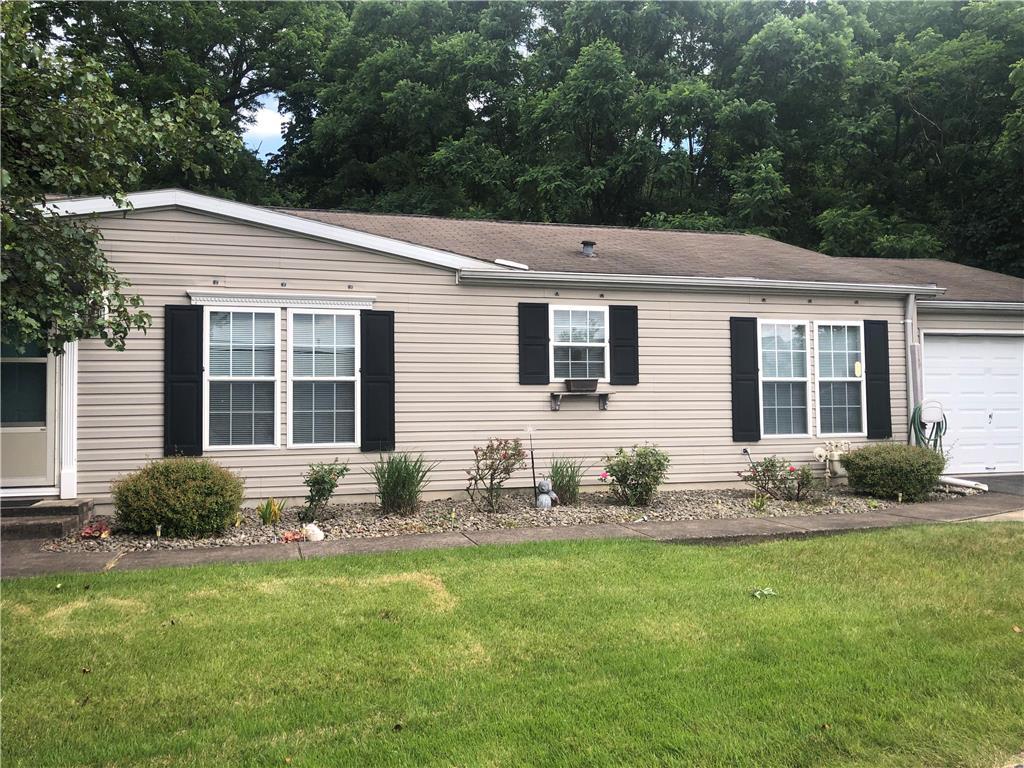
240	376
323	378
840	374
579	343
784	381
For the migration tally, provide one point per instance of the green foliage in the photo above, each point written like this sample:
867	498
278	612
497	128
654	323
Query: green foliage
865	129
321	480
184	496
270	511
66	131
400	479
635	475
759	502
493	465
777	478
566	475
894	470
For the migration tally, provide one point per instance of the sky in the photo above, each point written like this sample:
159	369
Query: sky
264	135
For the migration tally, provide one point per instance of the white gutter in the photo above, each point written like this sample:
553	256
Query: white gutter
674	283
971	306
909	339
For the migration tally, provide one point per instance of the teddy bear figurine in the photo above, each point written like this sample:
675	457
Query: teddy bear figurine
546	496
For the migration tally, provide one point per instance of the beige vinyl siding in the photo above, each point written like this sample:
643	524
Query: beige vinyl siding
935	320
456	361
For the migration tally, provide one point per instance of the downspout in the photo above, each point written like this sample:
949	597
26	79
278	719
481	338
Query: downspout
910	346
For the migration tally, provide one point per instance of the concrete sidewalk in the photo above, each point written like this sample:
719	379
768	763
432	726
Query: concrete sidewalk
23	558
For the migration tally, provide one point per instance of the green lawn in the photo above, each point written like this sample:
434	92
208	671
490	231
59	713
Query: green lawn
890	648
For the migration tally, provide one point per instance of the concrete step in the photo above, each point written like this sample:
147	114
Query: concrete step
82	508
39	526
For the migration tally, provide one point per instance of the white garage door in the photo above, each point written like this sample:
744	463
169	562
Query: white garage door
980	382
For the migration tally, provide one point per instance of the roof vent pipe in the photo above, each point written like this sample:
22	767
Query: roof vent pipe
588	247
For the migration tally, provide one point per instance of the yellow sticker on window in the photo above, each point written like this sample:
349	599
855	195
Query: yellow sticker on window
857	369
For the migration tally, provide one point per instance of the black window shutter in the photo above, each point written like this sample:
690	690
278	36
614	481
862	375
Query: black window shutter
533	344
624	343
377	380
876	379
746	402
183	380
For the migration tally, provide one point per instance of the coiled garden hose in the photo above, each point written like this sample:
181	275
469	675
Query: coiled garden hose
933	437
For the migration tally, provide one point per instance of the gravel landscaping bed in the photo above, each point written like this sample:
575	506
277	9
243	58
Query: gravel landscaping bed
348	521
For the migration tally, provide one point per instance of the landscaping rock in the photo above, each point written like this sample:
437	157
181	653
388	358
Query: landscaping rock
351	521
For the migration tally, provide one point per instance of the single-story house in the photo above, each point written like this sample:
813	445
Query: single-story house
285	337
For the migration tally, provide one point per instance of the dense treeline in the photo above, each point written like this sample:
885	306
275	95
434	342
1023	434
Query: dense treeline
877	129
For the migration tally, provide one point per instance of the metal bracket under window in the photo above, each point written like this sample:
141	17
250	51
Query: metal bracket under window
602	399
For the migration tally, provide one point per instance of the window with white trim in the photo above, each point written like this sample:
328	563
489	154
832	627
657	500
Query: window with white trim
241	377
783	349
323	382
840	378
579	343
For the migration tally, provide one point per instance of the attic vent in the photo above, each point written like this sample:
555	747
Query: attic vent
588	247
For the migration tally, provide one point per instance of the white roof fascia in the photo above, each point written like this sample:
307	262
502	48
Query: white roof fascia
971	306
669	282
229	209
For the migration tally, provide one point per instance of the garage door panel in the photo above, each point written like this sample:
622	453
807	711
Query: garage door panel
980	382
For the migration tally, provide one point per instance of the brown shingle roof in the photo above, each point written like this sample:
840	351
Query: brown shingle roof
626	251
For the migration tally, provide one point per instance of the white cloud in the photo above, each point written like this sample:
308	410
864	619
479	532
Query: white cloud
266	130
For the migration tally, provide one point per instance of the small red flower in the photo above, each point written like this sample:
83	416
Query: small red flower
792	469
604	475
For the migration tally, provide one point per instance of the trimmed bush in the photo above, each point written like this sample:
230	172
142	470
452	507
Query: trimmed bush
186	497
634	476
322	481
887	470
566	477
400	479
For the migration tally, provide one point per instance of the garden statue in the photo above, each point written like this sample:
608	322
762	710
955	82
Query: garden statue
312	532
546	496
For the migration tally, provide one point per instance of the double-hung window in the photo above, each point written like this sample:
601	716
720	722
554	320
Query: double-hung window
579	343
840	378
323	380
783	350
241	377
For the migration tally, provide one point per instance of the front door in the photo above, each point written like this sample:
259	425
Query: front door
28	423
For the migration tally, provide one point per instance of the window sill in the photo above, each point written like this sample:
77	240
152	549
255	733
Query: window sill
306	446
223	448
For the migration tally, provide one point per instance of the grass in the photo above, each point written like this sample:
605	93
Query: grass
890	648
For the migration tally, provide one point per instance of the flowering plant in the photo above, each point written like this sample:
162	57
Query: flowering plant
96	530
493	465
779	479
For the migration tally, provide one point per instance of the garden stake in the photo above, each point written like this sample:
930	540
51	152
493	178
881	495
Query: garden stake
533	468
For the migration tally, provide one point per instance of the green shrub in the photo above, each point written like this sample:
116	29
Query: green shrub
184	496
887	470
634	476
566	477
493	465
780	480
321	480
400	479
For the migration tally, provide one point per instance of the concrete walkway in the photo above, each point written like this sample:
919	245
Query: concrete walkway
23	558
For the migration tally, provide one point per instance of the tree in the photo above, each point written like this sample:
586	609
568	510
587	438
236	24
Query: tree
66	132
234	52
